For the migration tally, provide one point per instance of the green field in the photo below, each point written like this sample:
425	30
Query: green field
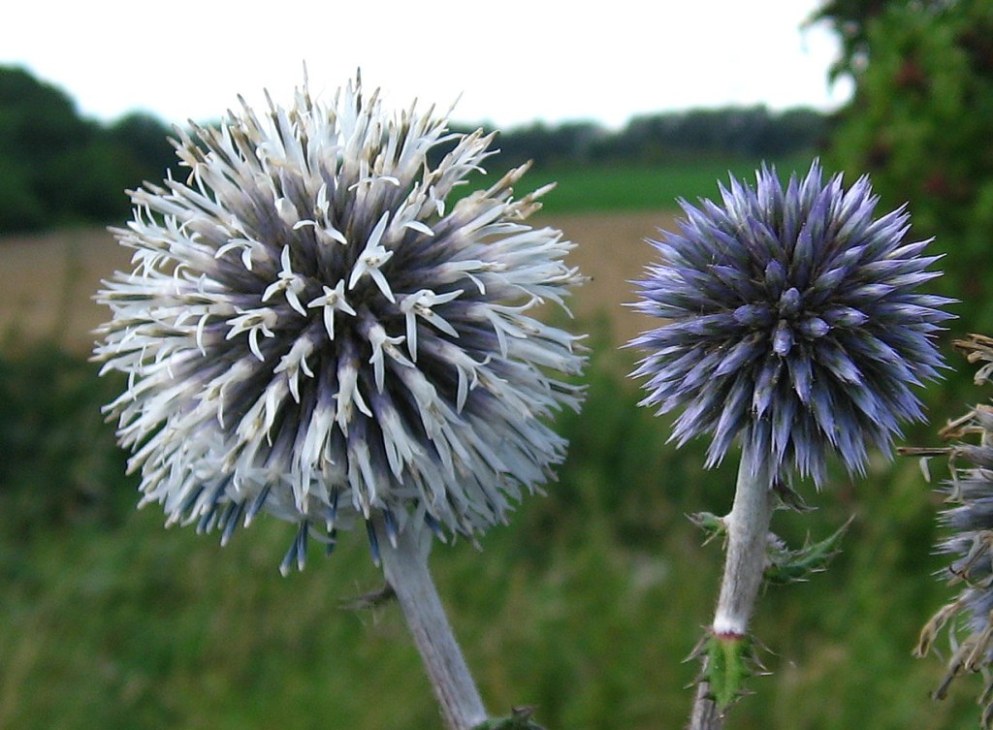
585	606
646	187
633	187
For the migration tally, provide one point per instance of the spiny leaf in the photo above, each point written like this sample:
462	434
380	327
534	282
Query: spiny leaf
790	566
712	525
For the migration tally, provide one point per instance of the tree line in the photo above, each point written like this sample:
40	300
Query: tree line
730	132
58	168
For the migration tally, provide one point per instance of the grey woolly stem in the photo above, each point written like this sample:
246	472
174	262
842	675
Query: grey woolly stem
706	715
405	565
747	545
747	526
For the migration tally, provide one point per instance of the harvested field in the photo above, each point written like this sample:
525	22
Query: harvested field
47	281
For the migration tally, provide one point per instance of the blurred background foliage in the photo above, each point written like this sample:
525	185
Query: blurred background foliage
588	602
921	125
585	605
59	169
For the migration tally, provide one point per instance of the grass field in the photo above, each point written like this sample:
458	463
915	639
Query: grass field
585	605
648	187
47	282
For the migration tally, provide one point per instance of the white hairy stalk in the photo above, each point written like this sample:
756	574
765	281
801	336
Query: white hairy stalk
405	565
747	528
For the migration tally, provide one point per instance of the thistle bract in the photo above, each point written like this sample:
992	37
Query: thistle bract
970	523
312	329
792	320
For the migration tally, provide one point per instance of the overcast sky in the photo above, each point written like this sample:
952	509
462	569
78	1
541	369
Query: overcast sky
507	63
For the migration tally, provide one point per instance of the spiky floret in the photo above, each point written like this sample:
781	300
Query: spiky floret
792	321
313	330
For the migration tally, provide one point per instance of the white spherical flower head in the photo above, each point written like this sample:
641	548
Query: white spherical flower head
312	330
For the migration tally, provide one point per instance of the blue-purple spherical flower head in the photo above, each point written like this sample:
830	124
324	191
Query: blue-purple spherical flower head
314	329
968	526
793	320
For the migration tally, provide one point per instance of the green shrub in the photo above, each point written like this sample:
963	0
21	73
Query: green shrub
921	124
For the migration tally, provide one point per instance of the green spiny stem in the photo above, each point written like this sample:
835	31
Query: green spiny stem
728	666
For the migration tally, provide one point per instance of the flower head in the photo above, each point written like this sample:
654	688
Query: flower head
313	330
791	319
968	522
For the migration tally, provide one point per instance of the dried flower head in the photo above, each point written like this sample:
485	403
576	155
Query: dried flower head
968	522
791	319
313	330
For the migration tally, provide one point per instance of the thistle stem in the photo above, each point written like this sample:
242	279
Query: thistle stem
706	715
747	528
747	546
405	565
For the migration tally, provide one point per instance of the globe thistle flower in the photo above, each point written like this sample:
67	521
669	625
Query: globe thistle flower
315	330
792	322
968	522
794	325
